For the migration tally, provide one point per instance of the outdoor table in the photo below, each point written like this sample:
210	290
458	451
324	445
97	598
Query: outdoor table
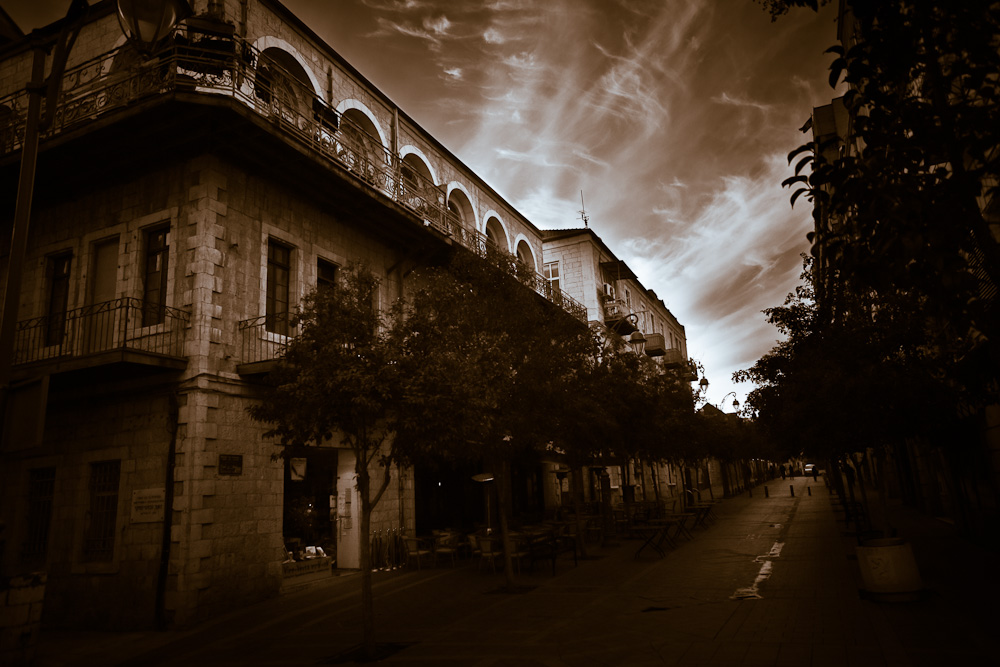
657	533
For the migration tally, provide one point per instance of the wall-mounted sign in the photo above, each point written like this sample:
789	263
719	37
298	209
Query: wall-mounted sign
230	464
297	469
147	505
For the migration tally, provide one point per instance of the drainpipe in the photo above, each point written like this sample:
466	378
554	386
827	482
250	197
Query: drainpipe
173	412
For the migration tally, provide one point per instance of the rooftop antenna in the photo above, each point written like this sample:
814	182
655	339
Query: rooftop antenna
583	212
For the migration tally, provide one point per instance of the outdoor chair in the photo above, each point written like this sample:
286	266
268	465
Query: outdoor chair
489	550
445	547
416	550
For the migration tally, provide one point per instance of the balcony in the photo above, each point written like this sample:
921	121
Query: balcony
655	346
120	331
262	341
225	68
618	317
673	358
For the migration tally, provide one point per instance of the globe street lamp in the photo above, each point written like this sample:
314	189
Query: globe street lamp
144	22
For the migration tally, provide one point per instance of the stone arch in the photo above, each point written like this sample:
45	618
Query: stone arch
495	230
525	252
280	78
266	42
354	110
414	157
460	206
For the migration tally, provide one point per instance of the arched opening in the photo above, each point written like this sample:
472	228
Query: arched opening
460	212
283	84
417	184
359	148
524	254
496	235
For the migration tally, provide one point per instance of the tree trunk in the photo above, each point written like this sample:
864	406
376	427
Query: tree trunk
502	481
367	601
577	477
368	503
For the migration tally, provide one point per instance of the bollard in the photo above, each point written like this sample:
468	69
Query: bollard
766	495
809	489
791	487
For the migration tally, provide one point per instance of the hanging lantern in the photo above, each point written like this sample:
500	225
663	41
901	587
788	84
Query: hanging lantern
146	22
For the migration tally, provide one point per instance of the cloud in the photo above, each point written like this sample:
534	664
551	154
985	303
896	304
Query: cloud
726	99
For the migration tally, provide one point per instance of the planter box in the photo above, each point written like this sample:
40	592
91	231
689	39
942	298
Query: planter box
305	571
888	570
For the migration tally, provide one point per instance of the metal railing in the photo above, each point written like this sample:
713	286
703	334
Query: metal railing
121	324
229	67
264	338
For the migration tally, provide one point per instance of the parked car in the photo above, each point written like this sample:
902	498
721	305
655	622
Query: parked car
808	470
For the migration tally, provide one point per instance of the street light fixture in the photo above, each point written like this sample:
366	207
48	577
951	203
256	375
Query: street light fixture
637	341
736	403
146	22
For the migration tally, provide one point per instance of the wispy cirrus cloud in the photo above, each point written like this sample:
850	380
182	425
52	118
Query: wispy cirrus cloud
672	116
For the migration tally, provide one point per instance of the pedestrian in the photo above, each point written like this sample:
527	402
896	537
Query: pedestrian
782	471
815	474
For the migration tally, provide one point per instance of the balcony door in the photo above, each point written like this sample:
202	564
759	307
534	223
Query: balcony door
101	319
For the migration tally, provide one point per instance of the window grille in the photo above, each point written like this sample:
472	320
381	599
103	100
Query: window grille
99	540
41	491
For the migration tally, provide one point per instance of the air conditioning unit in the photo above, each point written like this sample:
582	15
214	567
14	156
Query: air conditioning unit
609	290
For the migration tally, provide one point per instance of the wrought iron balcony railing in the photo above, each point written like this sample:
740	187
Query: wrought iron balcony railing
121	324
263	338
230	67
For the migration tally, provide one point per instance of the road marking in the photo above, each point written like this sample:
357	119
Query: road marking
752	592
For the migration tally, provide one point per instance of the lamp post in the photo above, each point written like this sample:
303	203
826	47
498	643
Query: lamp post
141	21
736	403
484	477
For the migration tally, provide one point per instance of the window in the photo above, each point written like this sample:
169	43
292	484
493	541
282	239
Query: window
154	298
551	272
279	271
326	275
58	298
41	490
628	299
102	519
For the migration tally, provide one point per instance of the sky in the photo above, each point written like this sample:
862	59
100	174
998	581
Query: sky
674	118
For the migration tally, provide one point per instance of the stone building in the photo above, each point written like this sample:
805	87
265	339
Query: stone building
184	204
578	262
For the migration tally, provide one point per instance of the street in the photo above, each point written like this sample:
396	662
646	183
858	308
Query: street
771	581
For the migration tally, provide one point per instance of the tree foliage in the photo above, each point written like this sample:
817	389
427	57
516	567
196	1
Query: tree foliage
486	365
337	383
903	202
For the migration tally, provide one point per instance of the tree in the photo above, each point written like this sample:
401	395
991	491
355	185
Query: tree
338	381
485	361
904	207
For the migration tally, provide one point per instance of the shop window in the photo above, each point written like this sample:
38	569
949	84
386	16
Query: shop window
279	272
58	302
102	518
154	298
41	491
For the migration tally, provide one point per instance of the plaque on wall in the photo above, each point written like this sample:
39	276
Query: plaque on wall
230	464
147	505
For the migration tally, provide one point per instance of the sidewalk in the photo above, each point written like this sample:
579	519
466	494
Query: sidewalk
770	582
